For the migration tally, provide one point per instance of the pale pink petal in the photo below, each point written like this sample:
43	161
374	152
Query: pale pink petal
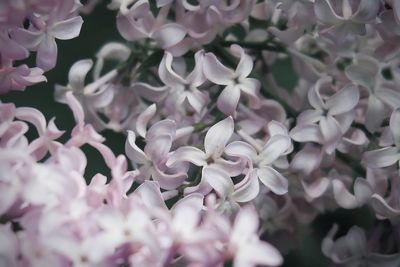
33	116
168	181
229	99
245	225
133	152
149	192
169	34
167	75
343	197
344	100
382	208
331	132
274	148
314	96
273	180
383	157
158	148
78	72
375	113
164	127
390	97
258	253
46	57
306	133
219	180
247	189
245	65
67	29
217	137
317	188
196	77
241	149
309	116
26	38
306	160
11	49
144	118
325	13
149	92
395	126
251	88
76	107
215	71
362	190
187	153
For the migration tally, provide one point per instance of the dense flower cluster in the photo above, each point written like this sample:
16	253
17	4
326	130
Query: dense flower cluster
239	159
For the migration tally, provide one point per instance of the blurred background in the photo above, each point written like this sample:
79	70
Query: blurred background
99	28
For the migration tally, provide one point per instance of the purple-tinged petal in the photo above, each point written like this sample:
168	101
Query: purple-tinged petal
149	192
273	180
228	99
366	11
245	225
219	180
383	157
169	34
390	97
78	72
164	127
33	116
331	132
241	149
144	118
217	137
167	75
46	57
26	38
133	152
325	13
314	96
344	100
309	116
375	113
76	107
274	148
306	133
158	148
168	181
258	253
364	71
215	71
245	65
317	188
67	29
149	92
187	154
395	126
343	197
11	49
306	160
247	189
362	190
382	208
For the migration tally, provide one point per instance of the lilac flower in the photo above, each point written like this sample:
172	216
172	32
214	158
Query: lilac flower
388	155
263	159
331	117
235	81
216	171
18	78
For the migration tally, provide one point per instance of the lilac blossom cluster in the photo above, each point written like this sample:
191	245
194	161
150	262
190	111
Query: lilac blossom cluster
243	162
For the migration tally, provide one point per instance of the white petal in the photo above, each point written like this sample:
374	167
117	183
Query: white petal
274	148
375	113
67	29
245	65
169	34
217	137
395	126
215	71
390	97
344	100
164	127
229	99
383	157
78	72
325	13
144	118
382	208
241	149
187	154
133	152
317	188
306	133
331	132
273	180
46	57
218	180
158	148
343	197
247	189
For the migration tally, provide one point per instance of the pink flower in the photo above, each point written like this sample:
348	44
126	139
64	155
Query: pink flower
235	81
